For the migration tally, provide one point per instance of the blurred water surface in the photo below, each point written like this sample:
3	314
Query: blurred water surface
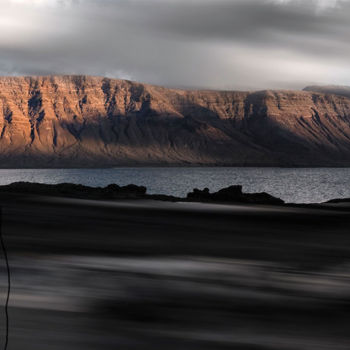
90	302
298	185
128	275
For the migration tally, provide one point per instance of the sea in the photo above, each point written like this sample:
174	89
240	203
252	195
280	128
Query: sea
294	185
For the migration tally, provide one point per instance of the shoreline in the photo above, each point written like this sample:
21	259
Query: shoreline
232	195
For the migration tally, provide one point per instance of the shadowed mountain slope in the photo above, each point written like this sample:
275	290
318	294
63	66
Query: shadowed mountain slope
83	121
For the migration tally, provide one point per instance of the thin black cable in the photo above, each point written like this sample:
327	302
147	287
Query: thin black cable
8	282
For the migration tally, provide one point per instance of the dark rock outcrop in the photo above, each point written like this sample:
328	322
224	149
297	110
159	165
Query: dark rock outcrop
233	194
76	191
338	200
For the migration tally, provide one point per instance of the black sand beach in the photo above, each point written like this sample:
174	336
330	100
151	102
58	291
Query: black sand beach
146	274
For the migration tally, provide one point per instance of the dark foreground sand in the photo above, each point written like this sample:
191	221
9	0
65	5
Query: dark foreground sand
155	275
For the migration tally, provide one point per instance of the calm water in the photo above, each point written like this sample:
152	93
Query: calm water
304	185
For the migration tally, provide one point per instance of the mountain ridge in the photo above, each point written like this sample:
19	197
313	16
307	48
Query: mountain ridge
341	90
84	121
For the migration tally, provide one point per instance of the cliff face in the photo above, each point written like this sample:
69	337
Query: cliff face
81	121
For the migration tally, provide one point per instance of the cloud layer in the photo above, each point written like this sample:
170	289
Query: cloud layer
220	44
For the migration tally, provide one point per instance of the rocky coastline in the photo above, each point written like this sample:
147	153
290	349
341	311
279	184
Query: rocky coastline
232	194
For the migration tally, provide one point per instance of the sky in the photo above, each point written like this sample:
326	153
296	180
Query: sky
209	44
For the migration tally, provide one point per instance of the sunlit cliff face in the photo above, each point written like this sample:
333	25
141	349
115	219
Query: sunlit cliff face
219	44
91	121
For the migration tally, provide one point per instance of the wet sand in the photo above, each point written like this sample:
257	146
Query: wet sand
147	274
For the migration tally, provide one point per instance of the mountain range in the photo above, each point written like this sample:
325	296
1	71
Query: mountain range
84	121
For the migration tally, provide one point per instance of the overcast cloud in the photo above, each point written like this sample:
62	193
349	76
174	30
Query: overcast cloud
219	44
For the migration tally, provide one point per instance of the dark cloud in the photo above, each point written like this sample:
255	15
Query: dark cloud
188	43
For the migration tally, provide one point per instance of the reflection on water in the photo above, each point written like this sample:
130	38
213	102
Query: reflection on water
298	185
181	302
